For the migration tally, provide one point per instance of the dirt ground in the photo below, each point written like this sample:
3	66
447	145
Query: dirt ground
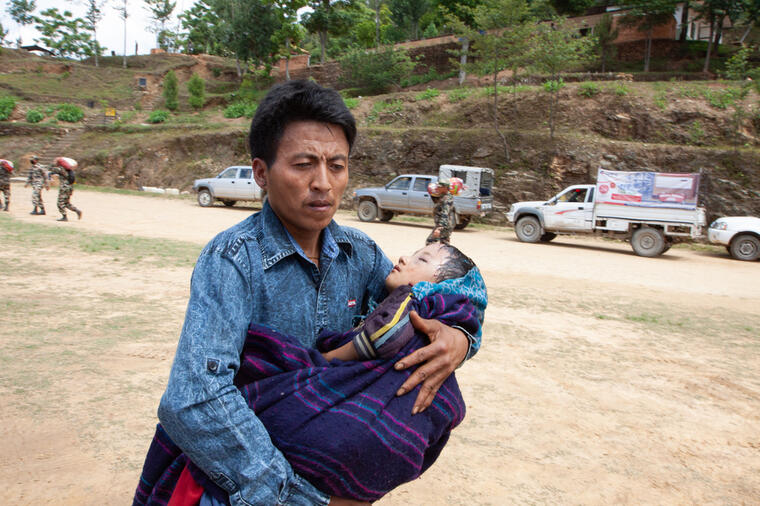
603	378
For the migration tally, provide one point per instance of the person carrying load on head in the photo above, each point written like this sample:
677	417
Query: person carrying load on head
442	211
64	168
6	168
38	177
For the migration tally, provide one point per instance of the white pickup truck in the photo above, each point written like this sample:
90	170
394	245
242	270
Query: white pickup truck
651	210
233	184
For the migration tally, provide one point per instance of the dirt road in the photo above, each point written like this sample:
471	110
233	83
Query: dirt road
604	377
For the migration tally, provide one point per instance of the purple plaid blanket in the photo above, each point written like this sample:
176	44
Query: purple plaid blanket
302	399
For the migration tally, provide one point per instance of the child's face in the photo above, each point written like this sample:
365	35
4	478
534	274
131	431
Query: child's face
421	266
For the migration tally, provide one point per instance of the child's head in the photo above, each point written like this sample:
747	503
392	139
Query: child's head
434	263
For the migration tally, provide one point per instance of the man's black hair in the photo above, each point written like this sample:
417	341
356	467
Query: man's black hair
299	100
456	265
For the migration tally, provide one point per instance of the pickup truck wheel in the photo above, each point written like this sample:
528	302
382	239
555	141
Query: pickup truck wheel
745	247
229	203
548	236
528	229
386	215
648	242
367	210
205	199
462	221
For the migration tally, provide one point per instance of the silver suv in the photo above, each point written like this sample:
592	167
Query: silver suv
231	185
407	194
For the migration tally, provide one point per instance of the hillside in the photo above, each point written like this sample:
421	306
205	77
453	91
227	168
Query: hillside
667	126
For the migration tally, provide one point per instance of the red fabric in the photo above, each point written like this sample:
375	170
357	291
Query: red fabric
187	492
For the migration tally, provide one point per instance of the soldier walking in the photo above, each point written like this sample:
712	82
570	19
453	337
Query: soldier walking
442	212
37	178
64	169
6	168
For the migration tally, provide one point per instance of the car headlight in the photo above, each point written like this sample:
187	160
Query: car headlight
718	225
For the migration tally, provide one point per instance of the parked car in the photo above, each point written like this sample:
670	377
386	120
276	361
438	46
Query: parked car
407	194
628	205
233	184
739	234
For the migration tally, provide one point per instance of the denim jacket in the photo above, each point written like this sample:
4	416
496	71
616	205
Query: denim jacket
256	272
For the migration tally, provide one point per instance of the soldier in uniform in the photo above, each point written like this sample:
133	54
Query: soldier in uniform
37	178
6	168
65	189
442	214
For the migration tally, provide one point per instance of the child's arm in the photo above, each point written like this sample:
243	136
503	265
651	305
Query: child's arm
346	352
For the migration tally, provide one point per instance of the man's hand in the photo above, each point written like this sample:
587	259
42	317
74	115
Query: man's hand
339	501
447	349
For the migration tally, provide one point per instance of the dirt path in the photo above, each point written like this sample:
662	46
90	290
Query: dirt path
604	377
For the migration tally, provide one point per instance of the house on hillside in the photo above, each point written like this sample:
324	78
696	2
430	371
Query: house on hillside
696	29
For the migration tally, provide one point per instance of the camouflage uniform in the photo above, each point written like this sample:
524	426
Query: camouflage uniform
37	178
5	186
65	189
442	215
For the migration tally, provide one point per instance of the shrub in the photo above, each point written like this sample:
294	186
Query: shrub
428	94
721	99
69	113
621	90
554	86
696	133
431	75
158	116
171	91
34	116
240	109
375	72
197	89
7	104
351	103
588	90
459	94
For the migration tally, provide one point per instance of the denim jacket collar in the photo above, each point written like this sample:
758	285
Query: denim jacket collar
280	244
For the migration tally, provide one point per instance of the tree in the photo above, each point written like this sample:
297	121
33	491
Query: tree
21	12
328	17
499	38
247	29
377	71
715	13
606	36
290	31
161	11
197	89
572	7
645	15
171	91
205	32
3	35
93	15
63	33
123	14
407	14
556	48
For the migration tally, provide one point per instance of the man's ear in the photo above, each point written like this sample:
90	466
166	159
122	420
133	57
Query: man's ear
260	172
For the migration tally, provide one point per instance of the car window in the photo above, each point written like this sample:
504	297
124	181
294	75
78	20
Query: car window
576	195
401	183
590	197
245	173
229	173
421	184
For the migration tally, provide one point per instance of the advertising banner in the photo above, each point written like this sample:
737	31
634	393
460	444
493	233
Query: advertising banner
647	189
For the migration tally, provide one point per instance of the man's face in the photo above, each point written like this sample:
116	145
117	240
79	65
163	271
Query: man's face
421	266
308	177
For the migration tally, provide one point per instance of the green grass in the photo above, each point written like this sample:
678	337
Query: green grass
126	249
